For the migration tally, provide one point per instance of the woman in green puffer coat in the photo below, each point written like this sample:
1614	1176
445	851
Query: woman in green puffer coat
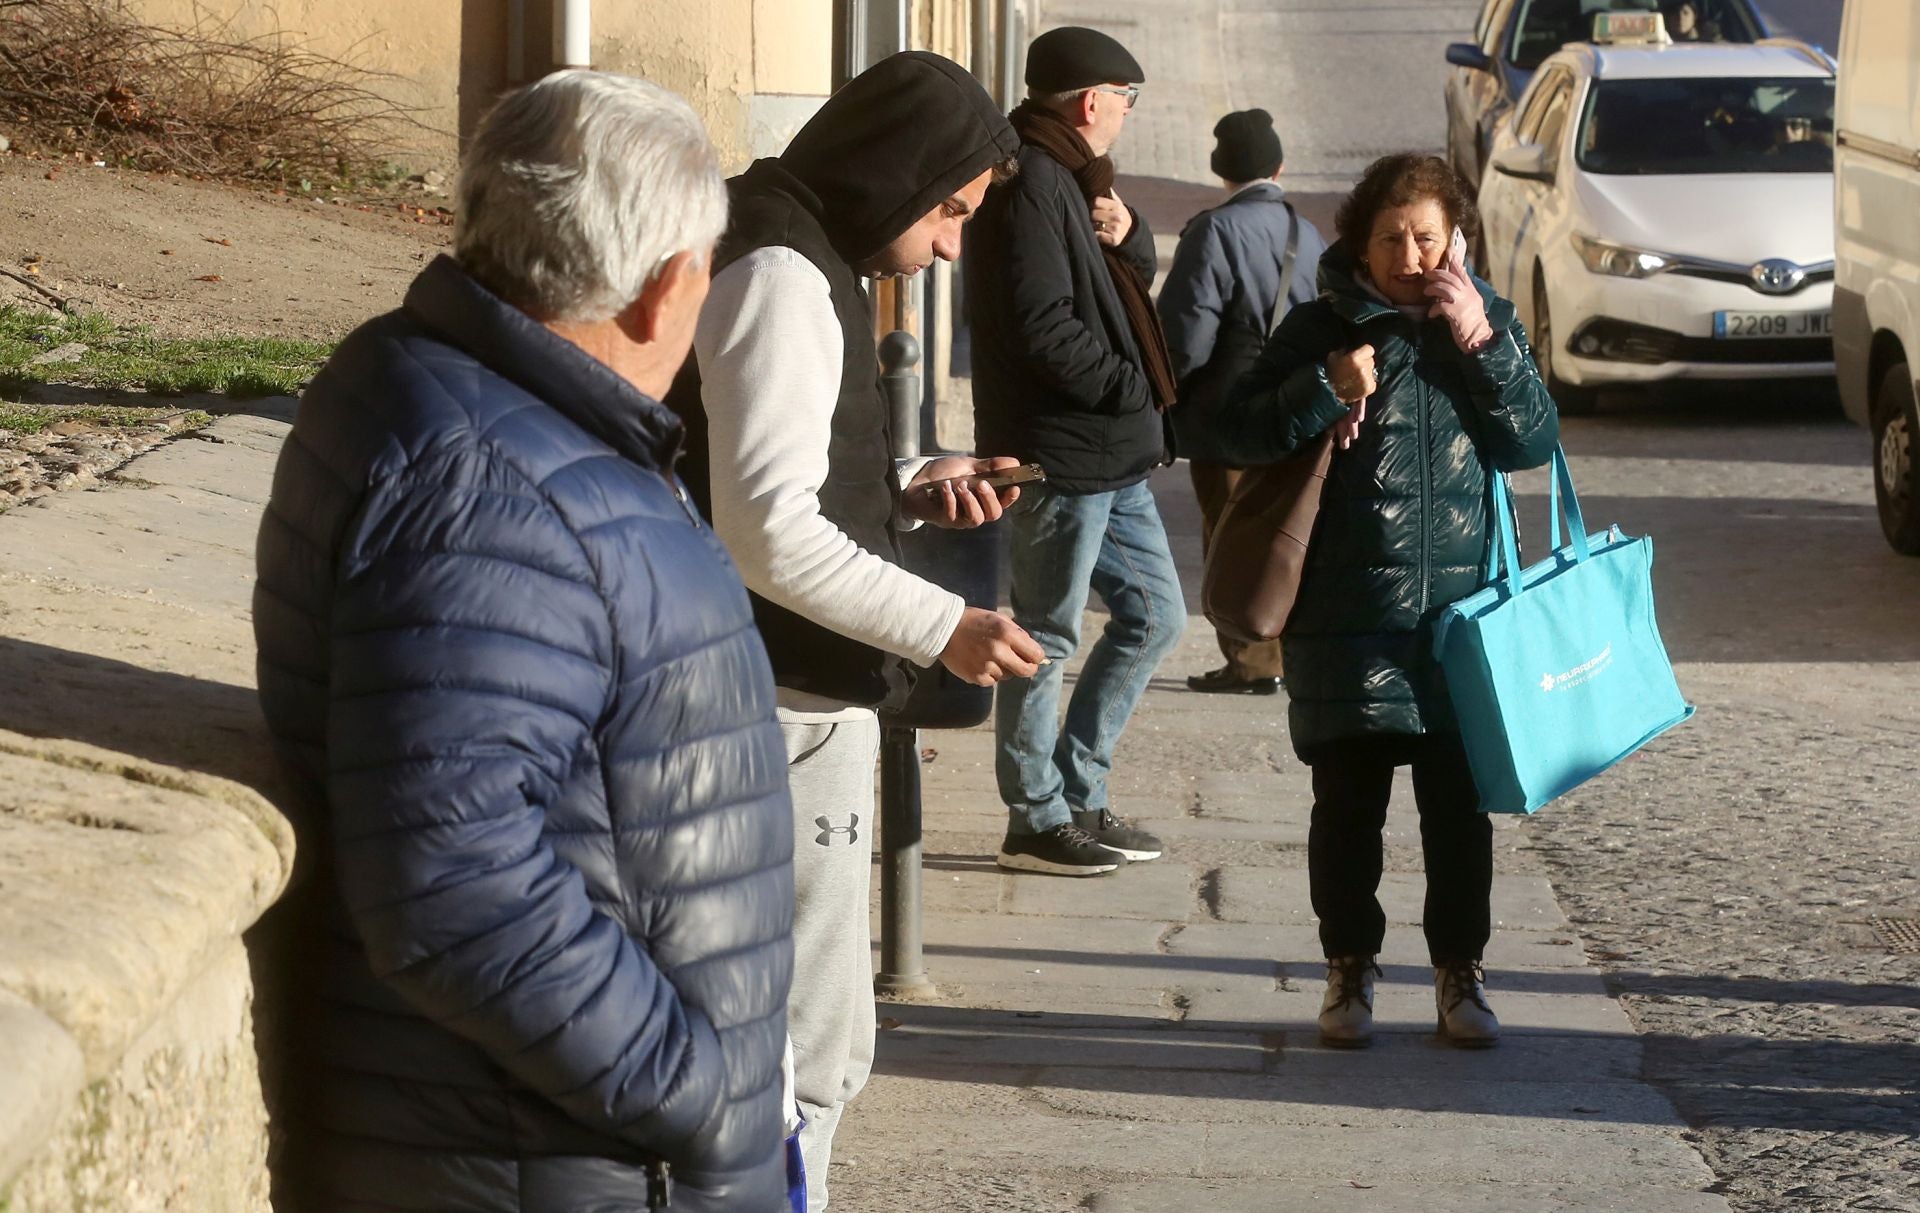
1426	379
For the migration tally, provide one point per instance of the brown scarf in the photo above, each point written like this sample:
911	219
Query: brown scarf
1054	135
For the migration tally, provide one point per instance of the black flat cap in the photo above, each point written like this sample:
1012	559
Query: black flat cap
1074	56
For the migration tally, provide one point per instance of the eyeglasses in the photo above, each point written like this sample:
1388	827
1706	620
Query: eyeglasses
1131	92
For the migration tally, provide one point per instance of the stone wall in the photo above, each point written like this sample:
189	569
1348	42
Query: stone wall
138	844
126	1034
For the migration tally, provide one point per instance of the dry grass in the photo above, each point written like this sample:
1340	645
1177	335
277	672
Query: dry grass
84	75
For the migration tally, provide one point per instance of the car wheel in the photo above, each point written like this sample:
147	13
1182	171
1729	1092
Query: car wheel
1896	476
1572	401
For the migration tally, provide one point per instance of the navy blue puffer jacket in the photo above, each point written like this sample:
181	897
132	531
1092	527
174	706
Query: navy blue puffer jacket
517	682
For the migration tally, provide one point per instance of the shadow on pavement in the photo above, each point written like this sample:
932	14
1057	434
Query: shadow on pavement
1733	1080
175	719
1518	981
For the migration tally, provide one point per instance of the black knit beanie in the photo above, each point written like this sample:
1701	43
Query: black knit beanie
1248	149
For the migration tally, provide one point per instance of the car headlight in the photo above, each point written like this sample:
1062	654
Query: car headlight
1617	259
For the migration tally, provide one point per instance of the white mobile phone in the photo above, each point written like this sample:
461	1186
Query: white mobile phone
1457	248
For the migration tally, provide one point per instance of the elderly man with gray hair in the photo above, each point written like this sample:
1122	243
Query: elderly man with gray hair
518	689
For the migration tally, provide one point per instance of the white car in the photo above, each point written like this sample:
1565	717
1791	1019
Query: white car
1876	296
1665	211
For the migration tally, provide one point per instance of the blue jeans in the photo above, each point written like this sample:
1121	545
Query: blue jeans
1063	547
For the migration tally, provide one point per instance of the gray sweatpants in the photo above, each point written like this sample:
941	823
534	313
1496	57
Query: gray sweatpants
830	1012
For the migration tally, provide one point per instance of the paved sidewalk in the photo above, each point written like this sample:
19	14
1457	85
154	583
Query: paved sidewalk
1145	1041
124	610
1133	1043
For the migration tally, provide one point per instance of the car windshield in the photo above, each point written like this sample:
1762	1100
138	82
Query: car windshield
1544	26
1708	126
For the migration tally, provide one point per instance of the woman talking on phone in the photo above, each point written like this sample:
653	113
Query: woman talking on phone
1425	379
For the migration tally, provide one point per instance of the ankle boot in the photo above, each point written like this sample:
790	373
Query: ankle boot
1346	1010
1460	998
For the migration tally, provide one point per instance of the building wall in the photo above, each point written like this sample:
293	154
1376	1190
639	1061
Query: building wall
753	69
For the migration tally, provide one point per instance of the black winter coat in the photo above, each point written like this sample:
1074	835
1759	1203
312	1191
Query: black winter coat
1403	521
519	689
1217	300
1057	378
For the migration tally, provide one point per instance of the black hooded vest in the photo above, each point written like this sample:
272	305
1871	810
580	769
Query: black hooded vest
883	151
772	208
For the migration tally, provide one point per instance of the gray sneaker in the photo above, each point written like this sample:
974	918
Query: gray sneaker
1346	1009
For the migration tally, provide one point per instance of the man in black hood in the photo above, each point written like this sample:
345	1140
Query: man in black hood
792	458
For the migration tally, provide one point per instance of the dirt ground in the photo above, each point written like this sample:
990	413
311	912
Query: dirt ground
192	258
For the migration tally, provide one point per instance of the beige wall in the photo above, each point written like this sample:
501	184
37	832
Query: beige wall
793	46
418	45
448	57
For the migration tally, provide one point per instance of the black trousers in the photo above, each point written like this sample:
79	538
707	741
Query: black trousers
1352	781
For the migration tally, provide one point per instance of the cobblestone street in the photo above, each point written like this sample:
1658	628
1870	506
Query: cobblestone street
1727	879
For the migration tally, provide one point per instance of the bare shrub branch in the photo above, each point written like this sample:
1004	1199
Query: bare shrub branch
84	75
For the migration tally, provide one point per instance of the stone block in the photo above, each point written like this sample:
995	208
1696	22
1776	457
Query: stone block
175	1122
1161	891
1280	1097
45	1073
1408	1006
1280	895
1297	949
986	1040
1233	1196
122	877
1272	828
1108	953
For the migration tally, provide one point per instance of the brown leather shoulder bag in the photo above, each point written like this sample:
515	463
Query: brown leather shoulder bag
1259	546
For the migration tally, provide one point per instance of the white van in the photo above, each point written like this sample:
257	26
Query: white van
1876	296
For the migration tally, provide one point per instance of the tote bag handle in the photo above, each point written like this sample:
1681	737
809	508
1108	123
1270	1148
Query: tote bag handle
1562	481
1505	546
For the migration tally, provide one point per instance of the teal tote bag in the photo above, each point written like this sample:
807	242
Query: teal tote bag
1556	671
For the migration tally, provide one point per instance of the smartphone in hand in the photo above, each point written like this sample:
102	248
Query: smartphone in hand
1026	473
1457	251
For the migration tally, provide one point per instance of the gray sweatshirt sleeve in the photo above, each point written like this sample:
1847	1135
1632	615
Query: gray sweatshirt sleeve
770	347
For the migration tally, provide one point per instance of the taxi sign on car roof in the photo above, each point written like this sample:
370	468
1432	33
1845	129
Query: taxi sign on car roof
1630	29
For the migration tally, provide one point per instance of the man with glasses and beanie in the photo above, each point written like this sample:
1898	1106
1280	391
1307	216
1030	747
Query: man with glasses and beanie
1222	296
1071	371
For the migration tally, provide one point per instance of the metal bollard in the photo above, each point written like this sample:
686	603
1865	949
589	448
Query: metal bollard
900	380
903	963
903	966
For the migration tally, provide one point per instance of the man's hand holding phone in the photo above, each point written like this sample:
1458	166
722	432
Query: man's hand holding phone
961	492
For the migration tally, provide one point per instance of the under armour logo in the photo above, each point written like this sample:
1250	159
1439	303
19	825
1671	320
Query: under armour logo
828	830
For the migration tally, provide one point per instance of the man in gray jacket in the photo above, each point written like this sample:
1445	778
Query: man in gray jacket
1218	305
